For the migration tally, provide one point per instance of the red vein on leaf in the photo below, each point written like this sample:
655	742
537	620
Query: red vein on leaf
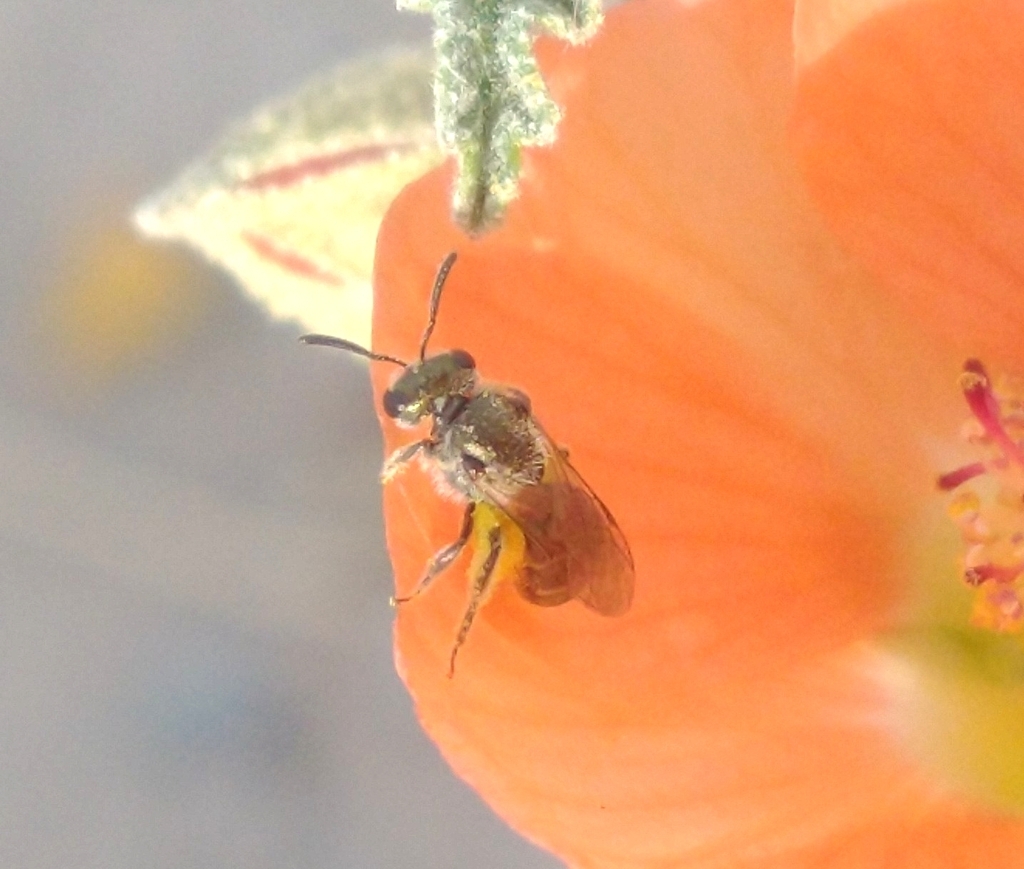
323	164
289	260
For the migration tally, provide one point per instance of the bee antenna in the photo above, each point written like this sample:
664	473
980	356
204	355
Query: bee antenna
342	344
435	300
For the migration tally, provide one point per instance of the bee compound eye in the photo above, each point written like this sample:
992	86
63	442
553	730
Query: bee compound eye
392	403
462	359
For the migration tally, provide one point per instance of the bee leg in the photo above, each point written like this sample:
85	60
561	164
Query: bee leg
400	458
443	557
480	584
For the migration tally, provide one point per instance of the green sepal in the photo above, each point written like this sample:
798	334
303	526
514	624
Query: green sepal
489	98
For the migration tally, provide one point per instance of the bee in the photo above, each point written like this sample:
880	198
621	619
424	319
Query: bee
522	496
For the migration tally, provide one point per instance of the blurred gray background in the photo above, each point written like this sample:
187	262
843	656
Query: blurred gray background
196	643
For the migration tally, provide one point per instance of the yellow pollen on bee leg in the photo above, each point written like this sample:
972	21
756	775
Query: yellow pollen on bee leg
513	544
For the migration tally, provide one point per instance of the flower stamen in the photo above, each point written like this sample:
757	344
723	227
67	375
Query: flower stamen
987	503
948	482
986	408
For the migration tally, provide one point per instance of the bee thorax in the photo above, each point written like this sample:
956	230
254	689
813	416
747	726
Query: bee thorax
490	446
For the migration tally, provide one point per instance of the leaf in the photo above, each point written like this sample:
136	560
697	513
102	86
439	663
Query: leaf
290	200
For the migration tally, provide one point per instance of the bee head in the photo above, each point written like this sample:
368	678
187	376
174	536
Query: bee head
425	388
434	386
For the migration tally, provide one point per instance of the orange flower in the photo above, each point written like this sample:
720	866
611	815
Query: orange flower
765	417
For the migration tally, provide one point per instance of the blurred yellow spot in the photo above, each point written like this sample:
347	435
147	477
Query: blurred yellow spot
116	300
962	708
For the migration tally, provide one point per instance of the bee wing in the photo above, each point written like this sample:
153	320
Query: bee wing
600	554
574	548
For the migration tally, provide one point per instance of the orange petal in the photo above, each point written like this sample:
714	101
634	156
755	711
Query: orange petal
818	25
911	136
750	409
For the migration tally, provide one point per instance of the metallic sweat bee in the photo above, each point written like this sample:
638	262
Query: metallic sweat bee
486	446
